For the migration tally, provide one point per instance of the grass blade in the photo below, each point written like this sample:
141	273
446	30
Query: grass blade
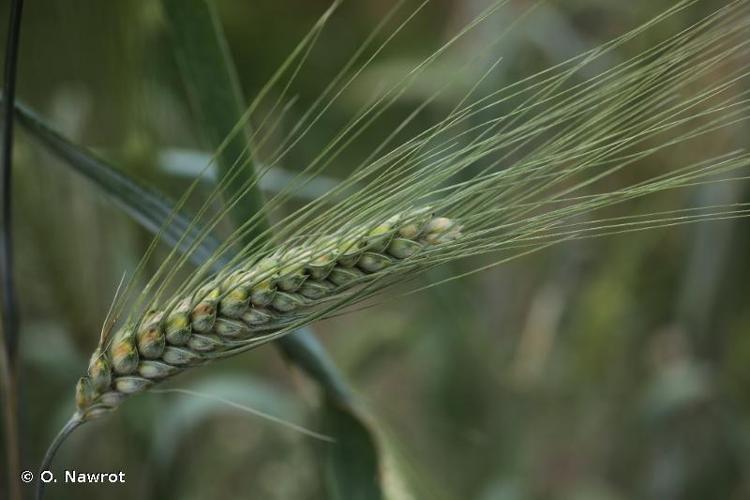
11	385
146	206
213	90
352	469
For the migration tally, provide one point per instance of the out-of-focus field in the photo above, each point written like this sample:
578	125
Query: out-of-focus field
606	369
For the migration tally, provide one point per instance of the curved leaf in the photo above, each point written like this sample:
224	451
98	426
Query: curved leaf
351	464
146	206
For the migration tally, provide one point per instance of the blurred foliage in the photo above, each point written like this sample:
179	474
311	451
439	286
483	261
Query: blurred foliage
604	369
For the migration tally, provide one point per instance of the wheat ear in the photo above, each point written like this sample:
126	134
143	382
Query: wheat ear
249	305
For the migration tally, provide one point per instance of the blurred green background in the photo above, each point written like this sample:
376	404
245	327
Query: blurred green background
606	369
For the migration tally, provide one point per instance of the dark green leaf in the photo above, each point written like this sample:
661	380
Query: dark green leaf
148	207
351	464
215	98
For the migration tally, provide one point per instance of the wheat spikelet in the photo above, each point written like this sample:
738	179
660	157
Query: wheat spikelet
246	306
